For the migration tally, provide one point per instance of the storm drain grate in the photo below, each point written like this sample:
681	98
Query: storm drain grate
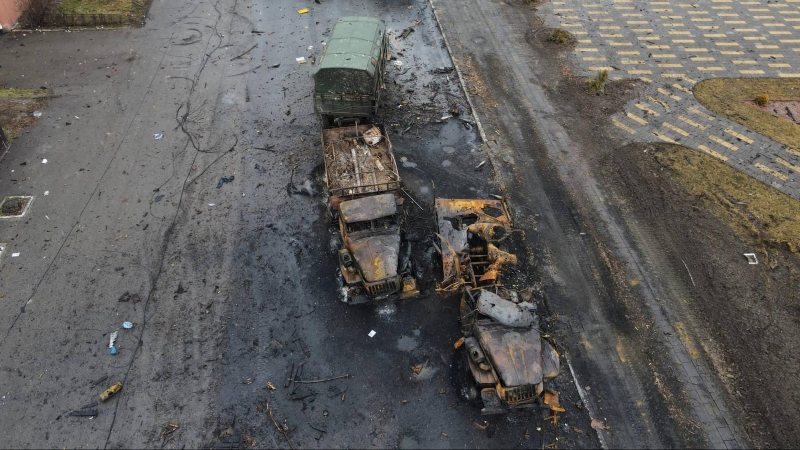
15	206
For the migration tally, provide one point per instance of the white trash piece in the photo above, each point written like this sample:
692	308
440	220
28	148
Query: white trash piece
397	63
112	339
751	258
44	161
372	333
37	114
301	60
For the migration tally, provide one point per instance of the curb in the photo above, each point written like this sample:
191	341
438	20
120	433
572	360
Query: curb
458	72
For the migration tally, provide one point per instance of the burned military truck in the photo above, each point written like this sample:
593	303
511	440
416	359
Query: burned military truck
370	258
507	358
361	175
349	80
363	197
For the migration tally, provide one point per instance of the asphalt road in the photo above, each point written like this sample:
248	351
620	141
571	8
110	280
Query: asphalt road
234	283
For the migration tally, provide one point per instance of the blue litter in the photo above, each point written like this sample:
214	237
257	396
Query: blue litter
127	325
224	180
113	350
158	135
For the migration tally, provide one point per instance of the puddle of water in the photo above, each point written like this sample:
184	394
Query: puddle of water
407	344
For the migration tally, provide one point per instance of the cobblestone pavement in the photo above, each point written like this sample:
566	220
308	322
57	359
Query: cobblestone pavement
674	44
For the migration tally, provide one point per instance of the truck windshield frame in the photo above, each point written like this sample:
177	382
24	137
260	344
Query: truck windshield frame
381	224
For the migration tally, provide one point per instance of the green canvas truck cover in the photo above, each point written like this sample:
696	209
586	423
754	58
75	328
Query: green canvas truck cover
355	44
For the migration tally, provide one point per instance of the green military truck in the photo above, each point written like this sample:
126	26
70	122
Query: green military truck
348	83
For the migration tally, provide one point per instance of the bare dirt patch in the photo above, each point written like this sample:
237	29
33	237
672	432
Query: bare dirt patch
17	108
734	98
785	109
747	315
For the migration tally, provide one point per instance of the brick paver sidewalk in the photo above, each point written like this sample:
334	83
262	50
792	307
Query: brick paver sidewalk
674	44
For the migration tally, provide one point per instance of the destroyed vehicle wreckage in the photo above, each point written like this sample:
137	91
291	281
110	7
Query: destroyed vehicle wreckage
370	259
508	359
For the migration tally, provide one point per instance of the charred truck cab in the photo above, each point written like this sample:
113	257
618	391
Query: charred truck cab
349	80
370	254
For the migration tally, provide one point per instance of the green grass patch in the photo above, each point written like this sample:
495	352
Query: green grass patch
561	37
732	97
22	93
598	83
756	211
96	6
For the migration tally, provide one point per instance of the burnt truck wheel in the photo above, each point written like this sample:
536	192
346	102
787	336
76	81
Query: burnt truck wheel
464	383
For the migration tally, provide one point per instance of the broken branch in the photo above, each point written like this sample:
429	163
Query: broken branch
248	51
322	381
278	427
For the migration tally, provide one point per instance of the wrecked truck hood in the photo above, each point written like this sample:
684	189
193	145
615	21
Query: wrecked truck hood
376	256
516	354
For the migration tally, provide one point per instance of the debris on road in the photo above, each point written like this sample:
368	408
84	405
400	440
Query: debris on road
397	63
270	386
111	339
323	380
275	66
15	255
282	429
598	425
301	60
372	333
158	136
127	325
751	258
108	393
417	369
128	297
168	430
480	426
37	114
302	11
224	180
242	54
406	32
84	413
44	161
99	380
